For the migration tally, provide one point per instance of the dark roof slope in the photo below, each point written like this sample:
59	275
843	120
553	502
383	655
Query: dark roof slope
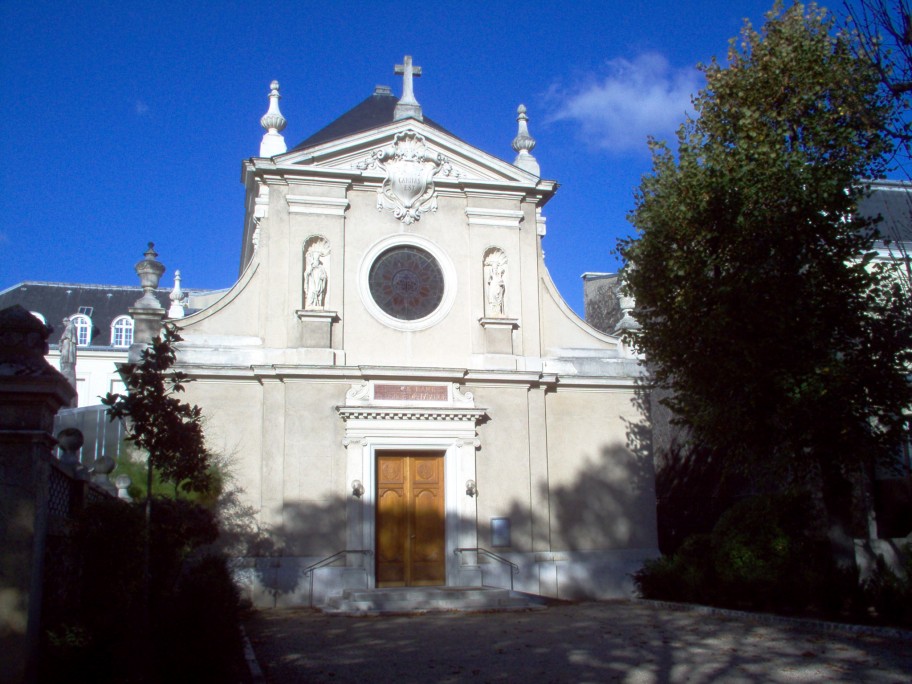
893	202
56	300
376	110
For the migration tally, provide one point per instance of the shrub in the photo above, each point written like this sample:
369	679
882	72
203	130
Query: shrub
685	576
764	553
890	593
767	553
91	633
100	637
199	630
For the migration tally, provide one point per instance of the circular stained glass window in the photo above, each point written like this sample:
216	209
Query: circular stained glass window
406	282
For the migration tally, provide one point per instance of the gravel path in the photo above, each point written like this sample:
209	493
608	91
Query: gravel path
588	642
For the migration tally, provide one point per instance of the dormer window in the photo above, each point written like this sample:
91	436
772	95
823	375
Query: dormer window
122	332
83	329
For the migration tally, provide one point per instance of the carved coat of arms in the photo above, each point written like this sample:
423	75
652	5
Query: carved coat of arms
410	167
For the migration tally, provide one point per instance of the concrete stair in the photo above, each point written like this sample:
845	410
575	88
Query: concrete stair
429	600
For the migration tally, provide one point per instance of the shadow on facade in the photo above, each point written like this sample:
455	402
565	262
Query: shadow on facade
594	531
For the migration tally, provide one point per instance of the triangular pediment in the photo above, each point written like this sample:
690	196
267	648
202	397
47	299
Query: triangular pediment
354	154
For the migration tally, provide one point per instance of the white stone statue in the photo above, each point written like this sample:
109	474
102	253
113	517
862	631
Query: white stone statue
69	340
496	282
68	343
315	281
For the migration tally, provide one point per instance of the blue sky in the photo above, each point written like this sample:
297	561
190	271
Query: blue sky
124	122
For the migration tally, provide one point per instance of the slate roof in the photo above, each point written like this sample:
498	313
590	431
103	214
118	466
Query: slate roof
56	300
891	200
376	110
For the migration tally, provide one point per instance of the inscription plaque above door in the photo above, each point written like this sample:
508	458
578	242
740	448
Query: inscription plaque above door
410	392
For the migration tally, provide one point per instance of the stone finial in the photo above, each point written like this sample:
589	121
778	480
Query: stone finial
150	272
123	482
628	326
147	312
524	143
101	471
70	441
408	106
628	320
177	297
273	142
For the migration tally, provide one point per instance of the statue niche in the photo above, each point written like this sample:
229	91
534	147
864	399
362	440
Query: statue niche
316	272
495	280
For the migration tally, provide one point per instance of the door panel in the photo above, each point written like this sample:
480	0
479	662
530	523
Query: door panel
392	524
411	548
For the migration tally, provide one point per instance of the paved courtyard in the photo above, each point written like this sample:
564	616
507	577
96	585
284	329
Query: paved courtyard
587	642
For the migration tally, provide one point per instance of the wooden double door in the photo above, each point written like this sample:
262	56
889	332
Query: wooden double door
411	546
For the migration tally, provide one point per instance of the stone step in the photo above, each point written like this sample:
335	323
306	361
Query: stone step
429	599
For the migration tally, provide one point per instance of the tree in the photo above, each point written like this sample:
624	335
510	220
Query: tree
168	430
158	422
884	37
785	349
883	31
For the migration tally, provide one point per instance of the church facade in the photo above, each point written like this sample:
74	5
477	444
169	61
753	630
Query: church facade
401	392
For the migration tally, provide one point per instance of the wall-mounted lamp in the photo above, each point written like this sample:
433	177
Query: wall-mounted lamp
471	488
357	489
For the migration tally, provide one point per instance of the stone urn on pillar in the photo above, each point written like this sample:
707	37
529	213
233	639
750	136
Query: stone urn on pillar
147	311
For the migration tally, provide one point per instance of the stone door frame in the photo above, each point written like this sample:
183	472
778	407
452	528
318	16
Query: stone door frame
375	426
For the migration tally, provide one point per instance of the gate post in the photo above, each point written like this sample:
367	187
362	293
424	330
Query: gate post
31	393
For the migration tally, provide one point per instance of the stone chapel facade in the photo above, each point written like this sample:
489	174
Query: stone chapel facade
394	375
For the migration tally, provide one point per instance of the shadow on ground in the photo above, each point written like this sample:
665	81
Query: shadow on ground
587	642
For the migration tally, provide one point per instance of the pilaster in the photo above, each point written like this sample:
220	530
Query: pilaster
539	498
272	495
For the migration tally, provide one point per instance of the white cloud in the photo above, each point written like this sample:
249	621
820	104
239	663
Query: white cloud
141	108
636	99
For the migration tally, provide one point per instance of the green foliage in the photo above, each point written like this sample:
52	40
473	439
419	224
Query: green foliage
200	627
890	593
169	430
785	351
195	604
767	553
762	554
137	472
687	575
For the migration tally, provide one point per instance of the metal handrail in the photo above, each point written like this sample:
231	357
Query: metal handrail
514	568
310	569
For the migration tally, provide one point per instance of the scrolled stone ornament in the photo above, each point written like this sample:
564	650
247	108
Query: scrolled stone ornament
410	166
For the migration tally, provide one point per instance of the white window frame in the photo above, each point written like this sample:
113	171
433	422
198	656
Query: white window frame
122	327
83	329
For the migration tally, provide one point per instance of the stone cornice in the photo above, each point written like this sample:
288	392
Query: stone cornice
490	322
409	413
501	218
350	374
309	204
